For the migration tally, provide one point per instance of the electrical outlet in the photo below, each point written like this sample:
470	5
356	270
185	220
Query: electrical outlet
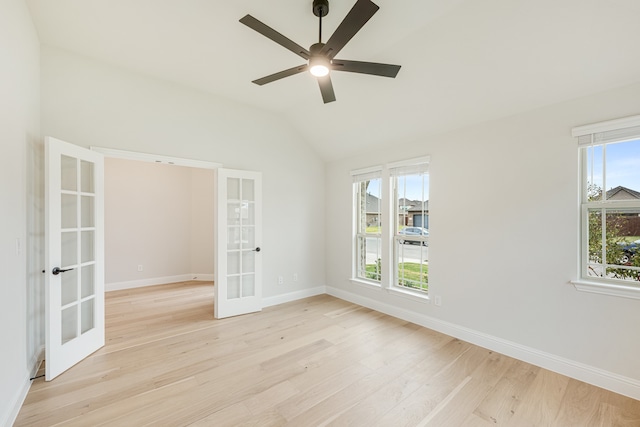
140	267
438	300
295	277
280	280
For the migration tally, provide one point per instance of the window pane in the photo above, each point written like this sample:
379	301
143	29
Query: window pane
88	246
622	171
86	176
87	280
233	287
248	193
411	240
233	238
87	317
69	174
69	248
368	229
69	324
248	262
369	258
248	285
612	228
369	204
412	266
594	245
87	211
233	262
594	172
620	249
233	189
69	287
69	212
623	241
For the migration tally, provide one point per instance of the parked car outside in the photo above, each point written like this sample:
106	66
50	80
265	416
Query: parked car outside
629	250
414	232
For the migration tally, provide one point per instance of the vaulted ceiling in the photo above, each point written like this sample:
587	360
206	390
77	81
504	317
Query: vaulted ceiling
463	61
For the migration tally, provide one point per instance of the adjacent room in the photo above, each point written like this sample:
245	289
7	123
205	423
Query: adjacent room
415	213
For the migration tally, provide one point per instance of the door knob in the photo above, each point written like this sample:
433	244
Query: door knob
257	249
58	270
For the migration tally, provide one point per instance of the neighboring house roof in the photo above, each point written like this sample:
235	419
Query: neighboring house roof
414	205
622	193
419	207
373	204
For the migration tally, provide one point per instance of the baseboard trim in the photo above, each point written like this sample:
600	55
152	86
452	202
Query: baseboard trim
293	296
589	374
118	286
14	409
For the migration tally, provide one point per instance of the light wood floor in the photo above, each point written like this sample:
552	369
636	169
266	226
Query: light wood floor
318	361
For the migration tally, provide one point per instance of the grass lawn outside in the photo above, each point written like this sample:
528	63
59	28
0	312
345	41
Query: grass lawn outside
409	275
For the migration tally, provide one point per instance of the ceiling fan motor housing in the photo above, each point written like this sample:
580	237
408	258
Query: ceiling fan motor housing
315	49
320	7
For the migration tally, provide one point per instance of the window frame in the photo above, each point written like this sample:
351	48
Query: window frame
589	136
359	176
413	167
388	259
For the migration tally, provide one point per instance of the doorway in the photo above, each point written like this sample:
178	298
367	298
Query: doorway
158	223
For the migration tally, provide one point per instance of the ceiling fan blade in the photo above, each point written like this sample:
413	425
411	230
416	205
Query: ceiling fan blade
272	34
361	12
374	68
281	74
326	89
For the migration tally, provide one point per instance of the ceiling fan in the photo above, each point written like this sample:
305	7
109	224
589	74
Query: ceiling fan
321	56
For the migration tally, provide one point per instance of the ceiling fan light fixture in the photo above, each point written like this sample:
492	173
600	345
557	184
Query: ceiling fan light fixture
319	65
319	70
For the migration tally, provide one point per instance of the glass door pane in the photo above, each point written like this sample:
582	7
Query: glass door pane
240	238
78	219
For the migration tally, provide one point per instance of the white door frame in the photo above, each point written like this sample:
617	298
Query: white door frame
155	158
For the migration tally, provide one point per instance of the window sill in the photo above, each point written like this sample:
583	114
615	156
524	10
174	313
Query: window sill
415	296
365	283
607	289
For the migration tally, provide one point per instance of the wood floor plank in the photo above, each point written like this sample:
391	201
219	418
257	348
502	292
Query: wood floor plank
315	362
504	401
543	400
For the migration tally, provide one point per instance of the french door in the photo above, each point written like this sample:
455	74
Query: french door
238	235
74	206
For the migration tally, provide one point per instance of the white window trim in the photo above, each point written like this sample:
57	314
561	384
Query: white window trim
410	162
606	289
625	122
587	284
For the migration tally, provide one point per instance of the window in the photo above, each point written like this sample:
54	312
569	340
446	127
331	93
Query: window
368	225
610	204
393	253
411	231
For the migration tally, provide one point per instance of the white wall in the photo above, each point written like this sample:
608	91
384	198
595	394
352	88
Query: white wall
202	206
20	198
503	238
160	217
89	103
